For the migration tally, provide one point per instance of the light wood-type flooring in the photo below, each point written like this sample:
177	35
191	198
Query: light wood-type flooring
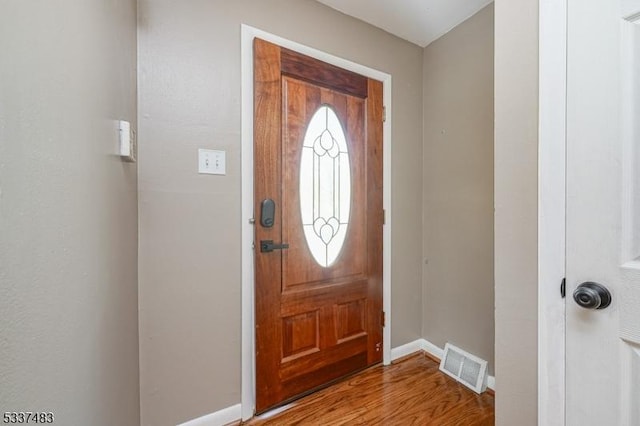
411	391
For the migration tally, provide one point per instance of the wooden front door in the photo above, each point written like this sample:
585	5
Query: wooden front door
318	189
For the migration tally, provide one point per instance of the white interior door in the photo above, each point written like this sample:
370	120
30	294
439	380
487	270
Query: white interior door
603	211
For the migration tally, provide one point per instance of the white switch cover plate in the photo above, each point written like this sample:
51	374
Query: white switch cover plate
211	162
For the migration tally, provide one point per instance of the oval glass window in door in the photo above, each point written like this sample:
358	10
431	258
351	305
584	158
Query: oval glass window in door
325	186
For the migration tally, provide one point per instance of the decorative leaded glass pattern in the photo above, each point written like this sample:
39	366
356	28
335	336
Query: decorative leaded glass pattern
325	186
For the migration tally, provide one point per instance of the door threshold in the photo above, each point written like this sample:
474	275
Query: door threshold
292	402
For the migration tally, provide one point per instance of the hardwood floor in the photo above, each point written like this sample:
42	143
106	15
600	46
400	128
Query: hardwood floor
412	391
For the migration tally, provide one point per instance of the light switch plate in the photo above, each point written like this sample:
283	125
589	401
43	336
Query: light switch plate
211	162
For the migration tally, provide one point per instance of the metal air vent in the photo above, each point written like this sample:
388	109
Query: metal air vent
464	367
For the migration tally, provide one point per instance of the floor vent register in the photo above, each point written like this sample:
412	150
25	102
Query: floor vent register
464	367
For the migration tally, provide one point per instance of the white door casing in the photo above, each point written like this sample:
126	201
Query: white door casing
551	211
603	211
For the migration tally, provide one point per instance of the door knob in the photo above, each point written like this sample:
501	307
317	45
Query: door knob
592	295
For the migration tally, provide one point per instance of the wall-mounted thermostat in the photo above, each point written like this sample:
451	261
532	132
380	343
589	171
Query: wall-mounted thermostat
127	137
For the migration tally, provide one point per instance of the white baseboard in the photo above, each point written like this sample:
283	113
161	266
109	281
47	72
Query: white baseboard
219	418
407	349
491	383
431	349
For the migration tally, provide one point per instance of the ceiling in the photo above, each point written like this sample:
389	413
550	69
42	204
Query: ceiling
418	21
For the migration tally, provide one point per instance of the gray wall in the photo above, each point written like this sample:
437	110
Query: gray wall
68	211
190	224
68	206
516	215
458	188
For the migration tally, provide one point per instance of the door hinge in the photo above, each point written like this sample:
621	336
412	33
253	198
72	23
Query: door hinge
384	217
383	319
384	114
563	288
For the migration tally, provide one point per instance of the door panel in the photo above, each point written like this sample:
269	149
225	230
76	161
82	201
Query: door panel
316	322
602	346
302	101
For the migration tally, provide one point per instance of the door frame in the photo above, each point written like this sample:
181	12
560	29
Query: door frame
248	33
552	124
